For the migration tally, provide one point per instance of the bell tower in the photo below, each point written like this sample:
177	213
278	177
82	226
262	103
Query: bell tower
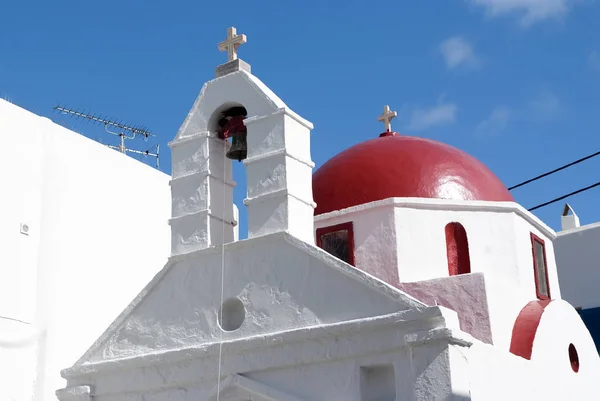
271	140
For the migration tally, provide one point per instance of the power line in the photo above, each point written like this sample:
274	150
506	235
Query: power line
565	196
553	171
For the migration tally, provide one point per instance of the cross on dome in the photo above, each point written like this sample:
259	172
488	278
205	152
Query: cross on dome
387	117
232	43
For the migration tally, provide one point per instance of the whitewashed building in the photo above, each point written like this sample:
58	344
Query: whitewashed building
401	270
577	251
83	229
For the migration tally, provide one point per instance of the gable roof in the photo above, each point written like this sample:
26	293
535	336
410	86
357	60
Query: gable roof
178	308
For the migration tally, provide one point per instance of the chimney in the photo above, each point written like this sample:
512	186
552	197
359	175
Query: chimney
569	219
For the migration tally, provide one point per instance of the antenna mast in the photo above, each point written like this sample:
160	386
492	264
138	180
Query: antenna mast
134	131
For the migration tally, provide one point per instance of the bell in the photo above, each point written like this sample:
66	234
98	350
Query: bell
239	147
235	129
232	126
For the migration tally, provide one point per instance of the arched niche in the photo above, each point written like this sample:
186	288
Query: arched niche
213	122
457	249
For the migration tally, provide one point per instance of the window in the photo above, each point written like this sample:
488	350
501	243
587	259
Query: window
540	269
457	249
338	240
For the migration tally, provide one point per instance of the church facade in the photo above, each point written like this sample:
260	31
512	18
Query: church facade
420	279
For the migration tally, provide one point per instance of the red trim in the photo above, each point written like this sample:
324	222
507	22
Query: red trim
525	327
534	239
457	249
339	227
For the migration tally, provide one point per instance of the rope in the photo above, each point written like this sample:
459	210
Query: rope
220	315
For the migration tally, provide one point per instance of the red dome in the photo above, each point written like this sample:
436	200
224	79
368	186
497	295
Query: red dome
403	167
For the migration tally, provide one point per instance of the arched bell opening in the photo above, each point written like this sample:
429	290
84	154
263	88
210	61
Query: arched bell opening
228	123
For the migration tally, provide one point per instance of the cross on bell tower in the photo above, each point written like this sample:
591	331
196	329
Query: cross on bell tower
387	118
231	45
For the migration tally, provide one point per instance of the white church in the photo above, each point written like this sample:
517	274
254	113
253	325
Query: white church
420	279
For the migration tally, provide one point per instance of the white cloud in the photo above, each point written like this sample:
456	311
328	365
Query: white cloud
530	11
458	52
594	61
545	107
442	114
496	122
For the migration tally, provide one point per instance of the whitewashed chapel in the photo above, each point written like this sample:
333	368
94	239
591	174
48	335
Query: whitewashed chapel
416	279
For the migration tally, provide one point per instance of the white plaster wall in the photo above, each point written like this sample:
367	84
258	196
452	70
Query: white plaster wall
22	182
325	363
98	233
18	362
422	242
465	294
318	363
508	294
430	371
578	259
560	326
415	370
375	244
202	194
279	175
498	376
282	283
499	247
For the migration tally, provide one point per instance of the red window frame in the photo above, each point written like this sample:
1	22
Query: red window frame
349	227
534	239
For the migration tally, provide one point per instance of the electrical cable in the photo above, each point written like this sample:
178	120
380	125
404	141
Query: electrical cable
554	171
565	196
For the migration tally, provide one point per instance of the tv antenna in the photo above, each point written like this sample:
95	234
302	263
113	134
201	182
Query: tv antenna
125	131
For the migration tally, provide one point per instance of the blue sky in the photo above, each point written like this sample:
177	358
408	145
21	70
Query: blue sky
516	83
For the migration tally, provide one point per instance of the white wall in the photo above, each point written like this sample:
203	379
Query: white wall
578	259
422	241
414	243
497	375
464	293
425	361
280	282
375	243
98	233
322	362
